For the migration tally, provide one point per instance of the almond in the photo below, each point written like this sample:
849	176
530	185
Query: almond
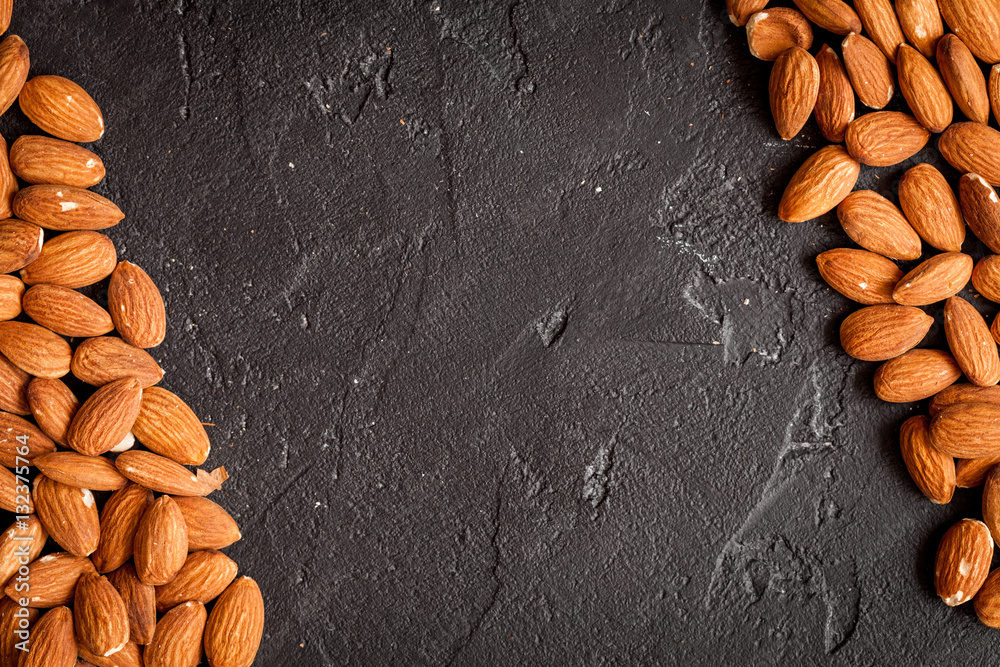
934	279
963	392
167	426
136	306
821	183
66	311
914	376
53	406
203	578
40	160
69	515
868	70
971	147
106	417
994	90
161	543
978	23
236	625
981	208
965	430
98	361
995	329
8	183
130	656
20	244
986	277
20	441
741	10
34	349
99	615
15	626
140	602
13	388
178	637
793	88
991	501
15	495
119	521
923	88
62	108
987	600
931	207
23	540
921	23
879	21
52	643
970	473
14	65
85	472
51	580
882	139
971	342
874	223
11	291
165	476
833	15
209	526
963	561
859	275
835	99
932	471
878	333
65	208
772	32
963	77
73	259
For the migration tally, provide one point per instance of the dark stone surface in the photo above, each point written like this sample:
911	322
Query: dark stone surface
508	354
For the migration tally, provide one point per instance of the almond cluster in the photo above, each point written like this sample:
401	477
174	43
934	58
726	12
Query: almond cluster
113	558
904	45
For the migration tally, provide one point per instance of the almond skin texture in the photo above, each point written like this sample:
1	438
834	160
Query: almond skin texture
209	525
963	392
130	656
62	108
20	244
861	276
52	580
874	223
140	602
921	23
161	543
12	450
924	90
98	361
978	24
879	21
52	643
8	183
13	388
106	417
993	88
741	10
932	471
14	495
965	430
11	291
963	561
792	90
981	208
9	624
991	501
53	405
878	333
821	183
178	638
971	148
66	311
236	625
14	64
136	306
868	70
963	78
28	532
35	350
166	476
167	426
833	15
203	578
883	139
987	601
915	375
39	160
932	208
970	473
971	342
119	521
64	208
771	32
84	472
934	279
69	514
99	615
835	99
74	260
986	277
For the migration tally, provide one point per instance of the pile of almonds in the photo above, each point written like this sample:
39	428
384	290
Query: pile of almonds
125	582
886	44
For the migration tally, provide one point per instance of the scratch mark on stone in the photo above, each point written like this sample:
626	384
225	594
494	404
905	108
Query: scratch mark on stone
182	43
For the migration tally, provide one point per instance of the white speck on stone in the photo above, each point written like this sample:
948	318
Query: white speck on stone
68	206
746	302
598	189
291	165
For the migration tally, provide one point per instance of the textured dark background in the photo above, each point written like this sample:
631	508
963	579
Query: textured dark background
508	354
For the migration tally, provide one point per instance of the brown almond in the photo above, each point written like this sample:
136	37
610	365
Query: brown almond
878	333
24	539
13	388
981	208
970	473
203	578
963	78
69	515
51	580
860	275
20	244
21	441
236	625
978	23
792	90
921	23
119	521
821	183
66	311
771	32
987	600
130	656
915	375
73	259
834	109
178	637
880	22
44	160
61	108
874	223
34	349
932	208
14	65
11	291
963	392
833	15
99	615
15	626
932	471
15	494
140	602
8	183
65	208
971	148
97	473
991	502
209	526
963	561
161	543
883	138
136	306
868	70
166	476
986	277
98	361
993	89
52	643
971	342
924	90
964	430
935	279
53	405
106	417
741	10
167	426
